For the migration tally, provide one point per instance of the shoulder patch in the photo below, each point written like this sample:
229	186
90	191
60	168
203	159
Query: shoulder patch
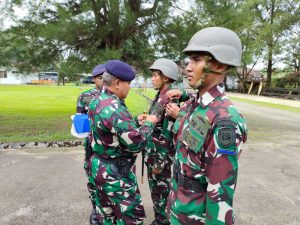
226	136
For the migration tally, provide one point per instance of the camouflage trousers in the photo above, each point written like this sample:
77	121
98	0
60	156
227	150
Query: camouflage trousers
118	199
90	186
187	207
159	185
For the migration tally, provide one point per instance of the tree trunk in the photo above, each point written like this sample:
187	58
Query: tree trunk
270	65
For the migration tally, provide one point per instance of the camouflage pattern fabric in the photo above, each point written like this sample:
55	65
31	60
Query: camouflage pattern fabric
161	155
210	132
84	100
82	107
115	135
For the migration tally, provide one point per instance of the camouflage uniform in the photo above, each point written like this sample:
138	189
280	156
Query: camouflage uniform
82	107
210	132
116	140
161	155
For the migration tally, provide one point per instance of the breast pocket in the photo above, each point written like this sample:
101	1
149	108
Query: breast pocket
194	134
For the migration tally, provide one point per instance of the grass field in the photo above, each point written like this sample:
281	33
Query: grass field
42	113
266	104
149	92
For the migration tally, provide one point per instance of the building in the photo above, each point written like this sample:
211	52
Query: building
13	76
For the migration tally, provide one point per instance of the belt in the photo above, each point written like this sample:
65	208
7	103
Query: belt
120	166
114	160
189	184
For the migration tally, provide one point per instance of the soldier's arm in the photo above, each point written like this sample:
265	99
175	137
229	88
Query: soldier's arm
80	104
164	144
133	138
221	157
181	94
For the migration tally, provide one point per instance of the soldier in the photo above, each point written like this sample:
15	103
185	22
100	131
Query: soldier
83	103
160	158
210	132
116	142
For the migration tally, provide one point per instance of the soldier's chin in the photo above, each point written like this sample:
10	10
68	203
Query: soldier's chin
156	87
197	85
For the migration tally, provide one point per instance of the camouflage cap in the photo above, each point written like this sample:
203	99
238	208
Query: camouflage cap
98	70
120	70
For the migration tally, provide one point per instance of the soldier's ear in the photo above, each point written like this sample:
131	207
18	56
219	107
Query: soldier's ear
220	67
117	84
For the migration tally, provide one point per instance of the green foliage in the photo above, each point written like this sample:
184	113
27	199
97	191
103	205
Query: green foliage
74	36
173	33
42	113
274	20
292	50
83	33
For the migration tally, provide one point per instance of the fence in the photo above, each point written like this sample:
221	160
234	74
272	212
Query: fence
43	82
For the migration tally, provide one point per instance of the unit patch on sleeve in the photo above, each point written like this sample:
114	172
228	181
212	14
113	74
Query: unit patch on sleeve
226	137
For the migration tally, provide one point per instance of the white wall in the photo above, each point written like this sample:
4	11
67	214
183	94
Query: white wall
232	82
17	78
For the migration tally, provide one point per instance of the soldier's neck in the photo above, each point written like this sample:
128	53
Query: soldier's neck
210	82
164	87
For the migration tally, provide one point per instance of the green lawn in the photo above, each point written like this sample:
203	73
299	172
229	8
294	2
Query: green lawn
267	104
42	113
149	92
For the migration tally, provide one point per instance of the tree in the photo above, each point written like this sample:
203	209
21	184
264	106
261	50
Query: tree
292	50
274	20
91	31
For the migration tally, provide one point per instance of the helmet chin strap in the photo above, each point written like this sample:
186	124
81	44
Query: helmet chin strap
207	70
201	81
159	87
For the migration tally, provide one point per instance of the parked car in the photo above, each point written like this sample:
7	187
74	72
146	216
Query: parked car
87	80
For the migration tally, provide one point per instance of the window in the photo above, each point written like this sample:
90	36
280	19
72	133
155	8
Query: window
3	74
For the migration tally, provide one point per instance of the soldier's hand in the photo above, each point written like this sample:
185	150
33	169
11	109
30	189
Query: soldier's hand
152	118
156	170
141	119
174	94
172	110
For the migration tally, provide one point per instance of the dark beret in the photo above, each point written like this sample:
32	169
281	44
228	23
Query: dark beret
98	70
120	70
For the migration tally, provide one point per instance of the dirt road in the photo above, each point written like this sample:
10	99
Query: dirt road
47	186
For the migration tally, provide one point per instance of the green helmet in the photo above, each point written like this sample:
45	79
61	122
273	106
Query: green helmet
223	44
168	68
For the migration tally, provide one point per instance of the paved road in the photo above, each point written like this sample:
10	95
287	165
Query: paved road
47	186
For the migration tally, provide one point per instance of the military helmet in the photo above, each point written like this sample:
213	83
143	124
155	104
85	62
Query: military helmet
223	44
168	68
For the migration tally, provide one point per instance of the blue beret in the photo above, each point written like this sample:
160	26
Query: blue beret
120	70
98	70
